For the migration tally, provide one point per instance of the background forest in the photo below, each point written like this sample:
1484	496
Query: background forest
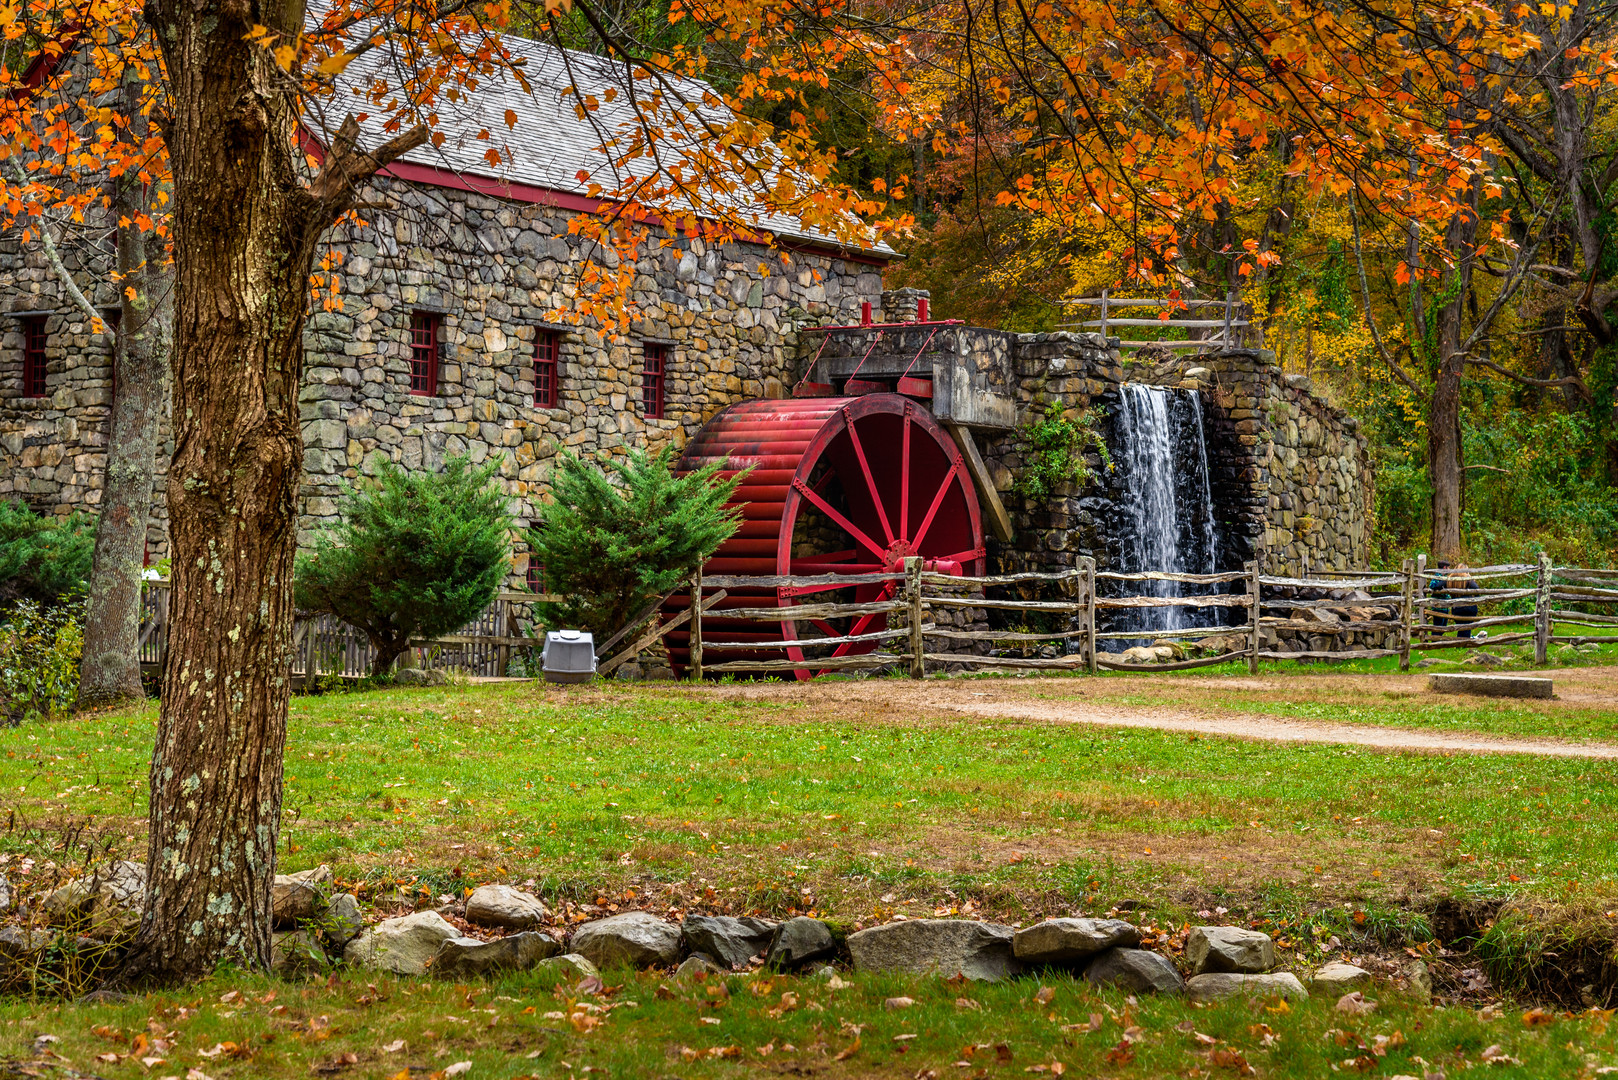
1415	205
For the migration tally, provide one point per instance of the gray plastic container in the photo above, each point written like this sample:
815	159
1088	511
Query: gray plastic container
568	656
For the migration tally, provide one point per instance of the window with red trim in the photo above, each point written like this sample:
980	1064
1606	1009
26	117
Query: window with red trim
654	370
424	352
536	575
547	371
33	355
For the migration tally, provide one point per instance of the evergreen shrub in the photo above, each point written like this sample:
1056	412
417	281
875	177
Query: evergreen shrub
416	555
614	541
43	558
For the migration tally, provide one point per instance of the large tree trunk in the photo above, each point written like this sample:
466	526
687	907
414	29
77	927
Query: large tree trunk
1444	453
109	672
245	229
1444	418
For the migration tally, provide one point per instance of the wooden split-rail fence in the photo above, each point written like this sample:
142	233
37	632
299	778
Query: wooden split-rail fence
904	626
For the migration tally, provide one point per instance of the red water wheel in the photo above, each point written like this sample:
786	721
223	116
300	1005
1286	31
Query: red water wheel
838	486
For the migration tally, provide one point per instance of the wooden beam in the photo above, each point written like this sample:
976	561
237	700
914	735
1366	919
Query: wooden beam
656	632
999	520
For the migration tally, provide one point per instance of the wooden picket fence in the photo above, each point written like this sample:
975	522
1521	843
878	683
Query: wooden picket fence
324	646
1397	606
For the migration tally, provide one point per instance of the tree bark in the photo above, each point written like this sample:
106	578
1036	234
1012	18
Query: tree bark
109	672
245	229
1444	417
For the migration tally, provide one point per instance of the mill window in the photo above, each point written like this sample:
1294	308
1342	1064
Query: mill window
653	373
33	356
547	373
425	354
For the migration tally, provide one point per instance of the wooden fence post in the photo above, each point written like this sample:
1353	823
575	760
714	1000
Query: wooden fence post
1418	613
696	626
309	654
1090	613
918	661
1407	613
504	624
1255	587
1542	611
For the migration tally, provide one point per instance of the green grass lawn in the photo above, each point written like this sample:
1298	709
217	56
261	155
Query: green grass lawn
648	1025
856	804
854	811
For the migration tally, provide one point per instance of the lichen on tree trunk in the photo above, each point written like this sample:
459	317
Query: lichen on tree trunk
109	672
245	227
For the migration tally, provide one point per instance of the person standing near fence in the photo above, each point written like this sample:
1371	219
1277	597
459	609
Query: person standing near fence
1464	613
1438	589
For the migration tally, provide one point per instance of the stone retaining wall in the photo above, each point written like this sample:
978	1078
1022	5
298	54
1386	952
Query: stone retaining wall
1289	472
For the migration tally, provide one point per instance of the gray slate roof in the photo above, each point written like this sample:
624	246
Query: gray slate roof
550	146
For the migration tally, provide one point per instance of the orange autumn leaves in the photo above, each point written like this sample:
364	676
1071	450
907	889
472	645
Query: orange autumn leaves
1129	118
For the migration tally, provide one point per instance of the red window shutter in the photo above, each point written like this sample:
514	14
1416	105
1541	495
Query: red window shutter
425	355
33	355
653	375
547	371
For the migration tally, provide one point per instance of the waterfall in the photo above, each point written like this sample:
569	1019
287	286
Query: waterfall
1165	503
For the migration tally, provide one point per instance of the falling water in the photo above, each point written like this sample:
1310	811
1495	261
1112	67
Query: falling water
1166	504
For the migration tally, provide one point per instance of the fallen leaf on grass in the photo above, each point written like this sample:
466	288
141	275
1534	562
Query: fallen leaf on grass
1045	995
1355	1004
1230	1059
394	1047
903	1038
1496	1055
336	1064
456	1069
1363	1063
1122	1054
1537	1018
898	1003
109	1058
853	1048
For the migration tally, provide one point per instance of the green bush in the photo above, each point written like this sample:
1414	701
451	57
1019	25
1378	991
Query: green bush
39	660
416	555
611	548
43	558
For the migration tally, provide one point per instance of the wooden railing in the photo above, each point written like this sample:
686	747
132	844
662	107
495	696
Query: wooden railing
903	625
1398	607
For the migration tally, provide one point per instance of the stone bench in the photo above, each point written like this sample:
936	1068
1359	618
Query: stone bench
1520	686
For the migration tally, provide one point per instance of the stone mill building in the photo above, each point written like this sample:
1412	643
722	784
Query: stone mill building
446	343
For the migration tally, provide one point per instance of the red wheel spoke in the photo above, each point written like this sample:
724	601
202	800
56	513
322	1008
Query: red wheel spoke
832	512
870	480
904	481
962	556
823	625
828	557
938	500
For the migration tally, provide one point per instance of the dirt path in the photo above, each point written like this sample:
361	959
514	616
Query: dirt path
1061	701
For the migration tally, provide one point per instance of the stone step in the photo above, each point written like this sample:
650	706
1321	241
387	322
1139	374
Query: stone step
1519	686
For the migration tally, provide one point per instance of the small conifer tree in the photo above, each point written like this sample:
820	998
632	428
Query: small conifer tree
610	548
42	558
416	555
